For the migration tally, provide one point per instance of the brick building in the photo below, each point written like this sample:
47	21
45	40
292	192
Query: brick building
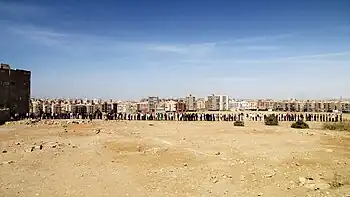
180	107
15	89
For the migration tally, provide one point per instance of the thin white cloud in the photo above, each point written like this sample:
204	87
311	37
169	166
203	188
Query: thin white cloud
231	79
260	38
185	50
43	36
316	56
262	48
169	48
206	46
312	59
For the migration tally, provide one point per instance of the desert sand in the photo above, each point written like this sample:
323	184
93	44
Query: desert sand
158	159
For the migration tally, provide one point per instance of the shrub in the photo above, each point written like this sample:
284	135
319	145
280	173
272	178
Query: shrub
300	125
271	120
238	123
338	126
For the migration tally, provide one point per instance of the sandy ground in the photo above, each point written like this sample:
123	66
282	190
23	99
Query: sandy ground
121	158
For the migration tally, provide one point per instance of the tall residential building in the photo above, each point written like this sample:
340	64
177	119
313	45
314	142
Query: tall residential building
160	107
190	102
213	103
170	106
180	106
223	103
36	108
200	104
56	108
14	89
46	108
152	102
81	109
90	109
142	107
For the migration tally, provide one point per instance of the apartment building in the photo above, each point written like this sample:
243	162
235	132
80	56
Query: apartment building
46	107
180	106
152	102
107	107
36	108
213	103
345	105
190	102
131	107
81	109
223	102
200	104
252	105
239	105
56	108
15	89
170	106
89	108
142	107
160	107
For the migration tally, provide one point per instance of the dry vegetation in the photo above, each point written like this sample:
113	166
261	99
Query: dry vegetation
338	126
300	125
142	159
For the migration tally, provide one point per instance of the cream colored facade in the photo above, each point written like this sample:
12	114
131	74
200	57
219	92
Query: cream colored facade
170	106
36	107
200	104
56	108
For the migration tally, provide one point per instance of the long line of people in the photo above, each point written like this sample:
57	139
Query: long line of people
329	117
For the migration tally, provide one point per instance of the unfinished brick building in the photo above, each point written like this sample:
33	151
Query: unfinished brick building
14	89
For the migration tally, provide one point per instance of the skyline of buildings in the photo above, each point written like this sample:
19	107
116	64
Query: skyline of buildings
15	84
188	104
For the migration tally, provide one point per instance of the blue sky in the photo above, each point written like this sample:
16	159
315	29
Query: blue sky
135	48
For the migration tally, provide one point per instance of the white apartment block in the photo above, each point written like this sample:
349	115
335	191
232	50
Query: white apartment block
239	105
72	108
89	109
122	108
200	104
46	108
56	108
36	108
223	102
170	106
252	105
160	107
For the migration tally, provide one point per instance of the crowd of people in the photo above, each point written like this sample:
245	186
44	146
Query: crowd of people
324	117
